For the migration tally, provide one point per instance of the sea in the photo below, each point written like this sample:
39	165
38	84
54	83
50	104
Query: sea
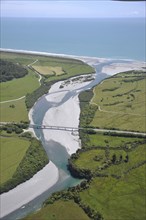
121	38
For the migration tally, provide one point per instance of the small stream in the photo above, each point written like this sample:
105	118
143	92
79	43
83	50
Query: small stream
56	152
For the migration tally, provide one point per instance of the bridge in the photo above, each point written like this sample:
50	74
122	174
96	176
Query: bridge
72	129
61	128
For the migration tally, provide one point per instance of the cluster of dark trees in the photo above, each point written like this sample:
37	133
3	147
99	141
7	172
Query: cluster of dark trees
123	134
35	95
33	161
9	71
115	160
86	115
17	128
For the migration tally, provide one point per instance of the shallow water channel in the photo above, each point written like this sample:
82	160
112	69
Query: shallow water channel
56	153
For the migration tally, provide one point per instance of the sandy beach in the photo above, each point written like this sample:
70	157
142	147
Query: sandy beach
123	67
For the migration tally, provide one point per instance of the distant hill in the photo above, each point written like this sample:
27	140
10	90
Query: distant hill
9	71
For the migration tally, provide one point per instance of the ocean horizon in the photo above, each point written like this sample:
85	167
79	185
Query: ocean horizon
122	38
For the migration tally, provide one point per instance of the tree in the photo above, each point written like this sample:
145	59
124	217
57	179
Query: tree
121	157
114	158
126	159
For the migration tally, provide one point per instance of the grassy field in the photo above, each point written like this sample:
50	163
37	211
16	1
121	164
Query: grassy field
70	67
60	210
122	199
121	102
115	165
101	140
96	159
12	151
17	113
18	87
49	70
117	189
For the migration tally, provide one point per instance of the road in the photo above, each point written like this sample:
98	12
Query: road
13	100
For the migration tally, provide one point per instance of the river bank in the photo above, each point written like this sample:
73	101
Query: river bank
29	190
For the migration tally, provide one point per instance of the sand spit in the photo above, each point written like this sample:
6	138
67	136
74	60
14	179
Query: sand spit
123	67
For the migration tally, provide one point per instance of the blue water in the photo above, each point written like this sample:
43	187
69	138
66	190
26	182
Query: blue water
110	38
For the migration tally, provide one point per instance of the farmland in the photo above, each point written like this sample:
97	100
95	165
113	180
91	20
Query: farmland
13	150
14	111
21	157
121	102
118	199
50	71
113	165
22	86
60	210
50	68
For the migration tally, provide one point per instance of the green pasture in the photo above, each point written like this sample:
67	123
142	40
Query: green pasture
95	159
101	140
16	113
87	159
118	199
135	157
60	210
49	70
12	151
70	67
23	59
18	87
122	102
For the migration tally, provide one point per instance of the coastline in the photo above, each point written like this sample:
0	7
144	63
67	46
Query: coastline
89	60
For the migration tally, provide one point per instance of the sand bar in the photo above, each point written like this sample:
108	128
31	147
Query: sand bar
65	114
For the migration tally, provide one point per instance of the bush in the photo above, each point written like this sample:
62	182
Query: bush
9	71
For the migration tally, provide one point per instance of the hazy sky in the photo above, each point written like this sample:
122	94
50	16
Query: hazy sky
77	9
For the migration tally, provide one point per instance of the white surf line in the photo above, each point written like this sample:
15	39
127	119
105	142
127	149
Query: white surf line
13	100
113	112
